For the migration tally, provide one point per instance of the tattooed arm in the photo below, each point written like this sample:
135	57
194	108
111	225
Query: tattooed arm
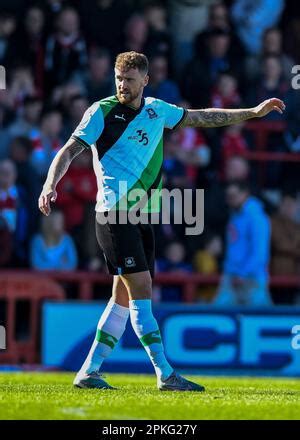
217	117
57	170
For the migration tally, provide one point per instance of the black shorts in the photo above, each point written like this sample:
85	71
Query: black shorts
127	248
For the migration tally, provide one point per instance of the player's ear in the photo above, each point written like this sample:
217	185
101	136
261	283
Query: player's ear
146	80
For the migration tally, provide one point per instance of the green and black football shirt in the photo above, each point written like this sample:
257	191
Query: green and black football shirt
127	147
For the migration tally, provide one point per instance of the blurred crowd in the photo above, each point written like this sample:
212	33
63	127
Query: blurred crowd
59	58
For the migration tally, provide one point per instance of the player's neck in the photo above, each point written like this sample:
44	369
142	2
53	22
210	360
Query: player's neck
136	103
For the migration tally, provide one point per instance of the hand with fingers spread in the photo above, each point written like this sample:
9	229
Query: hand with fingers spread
269	105
47	195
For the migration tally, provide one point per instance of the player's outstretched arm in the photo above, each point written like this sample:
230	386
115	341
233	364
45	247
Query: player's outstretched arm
57	170
218	117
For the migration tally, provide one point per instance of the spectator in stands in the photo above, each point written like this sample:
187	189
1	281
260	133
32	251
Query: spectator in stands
103	22
194	151
47	141
206	262
23	125
285	242
174	177
174	261
52	8
245	277
159	85
6	243
136	34
270	84
202	72
66	52
292	140
77	107
272	45
91	258
20	86
27	177
4	141
204	159
219	19
237	168
14	209
219	16
159	38
97	81
77	188
253	18
26	123
63	95
173	168
292	132
225	93
285	239
233	144
76	197
187	19
31	43
52	248
7	39
215	206
292	34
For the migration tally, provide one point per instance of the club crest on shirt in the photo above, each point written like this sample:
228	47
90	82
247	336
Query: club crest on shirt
151	113
129	262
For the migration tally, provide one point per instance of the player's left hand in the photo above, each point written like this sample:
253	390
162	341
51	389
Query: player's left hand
47	195
269	105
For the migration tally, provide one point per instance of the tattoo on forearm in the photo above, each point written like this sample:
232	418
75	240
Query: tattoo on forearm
215	117
74	149
62	160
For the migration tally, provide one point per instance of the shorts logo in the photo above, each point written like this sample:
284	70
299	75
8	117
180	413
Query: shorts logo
151	113
129	262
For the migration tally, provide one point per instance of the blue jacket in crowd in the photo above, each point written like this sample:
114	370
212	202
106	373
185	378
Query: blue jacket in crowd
62	256
248	242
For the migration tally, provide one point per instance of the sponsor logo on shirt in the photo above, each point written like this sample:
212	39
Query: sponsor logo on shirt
141	138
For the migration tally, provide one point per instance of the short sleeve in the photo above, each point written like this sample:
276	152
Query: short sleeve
90	127
173	115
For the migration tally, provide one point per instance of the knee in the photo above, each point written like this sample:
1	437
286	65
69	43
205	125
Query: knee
120	293
139	285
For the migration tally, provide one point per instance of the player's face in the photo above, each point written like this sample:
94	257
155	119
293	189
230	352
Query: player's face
130	84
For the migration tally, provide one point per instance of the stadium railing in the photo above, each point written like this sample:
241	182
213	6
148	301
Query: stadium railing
261	131
36	287
21	286
189	282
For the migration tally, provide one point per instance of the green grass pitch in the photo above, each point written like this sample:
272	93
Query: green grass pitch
52	396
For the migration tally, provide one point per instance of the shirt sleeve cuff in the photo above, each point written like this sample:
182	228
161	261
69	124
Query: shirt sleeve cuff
81	141
181	119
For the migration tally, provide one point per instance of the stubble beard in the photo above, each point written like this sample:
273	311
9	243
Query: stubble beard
128	98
